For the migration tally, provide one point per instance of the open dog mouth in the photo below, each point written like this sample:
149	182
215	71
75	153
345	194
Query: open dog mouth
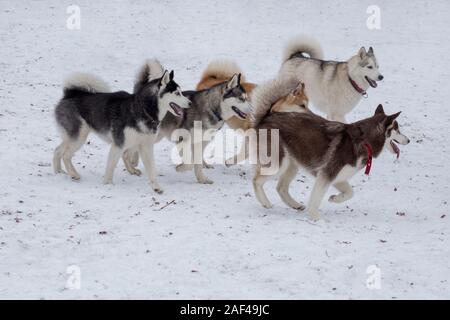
176	108
241	114
372	83
395	147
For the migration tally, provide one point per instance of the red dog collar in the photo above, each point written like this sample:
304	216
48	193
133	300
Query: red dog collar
369	158
357	88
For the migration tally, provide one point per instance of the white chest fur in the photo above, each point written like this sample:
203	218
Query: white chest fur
134	137
348	171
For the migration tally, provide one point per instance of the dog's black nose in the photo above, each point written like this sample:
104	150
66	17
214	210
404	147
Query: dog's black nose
380	77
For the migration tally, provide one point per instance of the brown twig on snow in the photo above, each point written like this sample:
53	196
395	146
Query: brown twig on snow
166	205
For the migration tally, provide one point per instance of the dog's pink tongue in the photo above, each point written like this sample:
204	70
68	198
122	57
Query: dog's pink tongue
396	149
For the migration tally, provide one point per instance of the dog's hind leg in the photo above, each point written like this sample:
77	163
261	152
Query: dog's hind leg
201	178
318	192
346	192
131	159
285	180
185	150
241	155
132	155
72	146
113	158
258	186
146	153
57	157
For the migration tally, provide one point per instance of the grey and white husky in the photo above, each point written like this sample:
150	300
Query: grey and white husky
333	87
211	108
331	151
124	120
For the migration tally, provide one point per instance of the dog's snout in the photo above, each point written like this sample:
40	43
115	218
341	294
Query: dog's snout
408	141
380	77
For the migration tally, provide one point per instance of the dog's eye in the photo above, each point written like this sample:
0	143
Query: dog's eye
370	67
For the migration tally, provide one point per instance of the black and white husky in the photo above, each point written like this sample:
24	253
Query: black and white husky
333	87
124	120
210	109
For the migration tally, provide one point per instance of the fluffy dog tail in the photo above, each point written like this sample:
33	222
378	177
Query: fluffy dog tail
265	95
218	71
150	70
300	45
85	82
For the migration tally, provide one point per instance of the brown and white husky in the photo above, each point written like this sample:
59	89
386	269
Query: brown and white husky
331	151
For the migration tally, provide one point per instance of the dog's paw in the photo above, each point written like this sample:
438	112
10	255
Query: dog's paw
183	167
107	181
75	177
267	205
321	222
334	198
205	181
338	198
314	214
136	172
229	162
299	206
158	190
208	166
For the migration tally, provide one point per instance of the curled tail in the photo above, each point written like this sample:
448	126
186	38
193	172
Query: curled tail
85	82
219	71
300	45
265	95
151	69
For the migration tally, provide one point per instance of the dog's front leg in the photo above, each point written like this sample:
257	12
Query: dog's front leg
283	186
198	163
241	155
113	157
258	186
146	153
346	192
321	186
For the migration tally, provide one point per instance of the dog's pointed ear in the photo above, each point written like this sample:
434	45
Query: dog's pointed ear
234	81
171	75
362	53
379	109
392	117
164	80
299	89
370	52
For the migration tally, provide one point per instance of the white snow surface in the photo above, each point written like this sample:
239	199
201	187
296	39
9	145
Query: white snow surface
216	241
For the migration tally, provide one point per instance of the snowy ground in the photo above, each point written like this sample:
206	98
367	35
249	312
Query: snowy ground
216	241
